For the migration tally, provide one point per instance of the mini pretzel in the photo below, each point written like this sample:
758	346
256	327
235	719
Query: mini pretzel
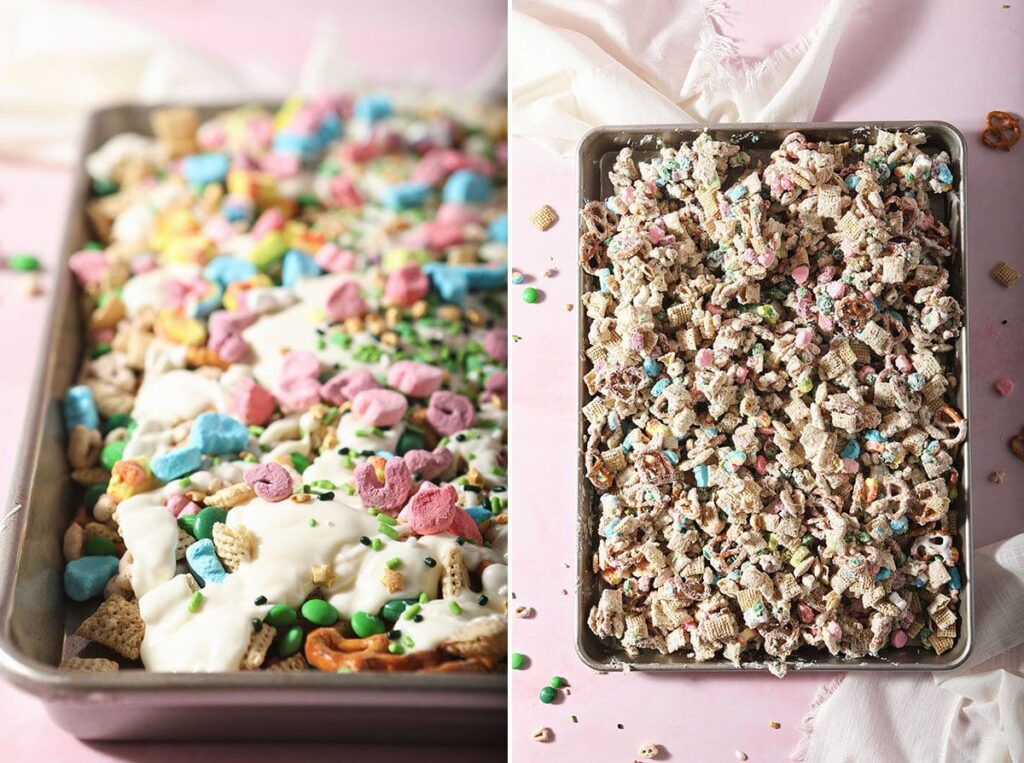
329	651
1017	445
1002	130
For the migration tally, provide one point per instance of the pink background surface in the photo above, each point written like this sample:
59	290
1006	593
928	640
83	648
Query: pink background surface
905	60
452	39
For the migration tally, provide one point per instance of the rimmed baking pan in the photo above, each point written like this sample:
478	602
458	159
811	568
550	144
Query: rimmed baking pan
596	155
37	622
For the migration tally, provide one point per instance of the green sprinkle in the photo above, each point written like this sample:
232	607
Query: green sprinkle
393	563
100	350
373	511
455	608
388	530
300	462
408	642
557	682
547	695
195	601
396	648
344	670
424	597
330	415
348	489
411	611
376	544
495	504
184	482
386	519
517	660
313	522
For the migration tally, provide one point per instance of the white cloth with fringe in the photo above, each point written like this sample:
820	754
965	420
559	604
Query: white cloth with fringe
577	64
973	714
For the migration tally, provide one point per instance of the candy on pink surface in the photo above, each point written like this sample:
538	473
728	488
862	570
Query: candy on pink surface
1004	386
298	393
180	505
456	214
804	337
345	302
346	385
449	413
252	403
270	481
406	286
497	384
413	378
800	274
300	364
898	639
88	265
431	510
705	357
464	526
496	344
334	259
379	407
390	495
272	219
426	464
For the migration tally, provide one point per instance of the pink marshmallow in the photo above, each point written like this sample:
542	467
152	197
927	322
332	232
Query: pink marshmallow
334	259
299	364
346	302
406	286
144	263
496	344
226	322
464	526
298	394
394	491
449	413
440	236
805	613
272	219
428	465
904	364
180	505
252	403
705	358
344	192
270	481
497	384
800	274
457	214
88	265
379	407
803	338
741	373
346	385
899	639
836	289
230	347
1004	386
431	510
413	378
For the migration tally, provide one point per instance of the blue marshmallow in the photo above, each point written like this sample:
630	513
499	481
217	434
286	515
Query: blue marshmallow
406	195
294	144
85	577
176	463
216	433
373	108
298	265
700	474
226	269
203	562
80	408
479	515
498	230
454	282
467	187
852	450
201	169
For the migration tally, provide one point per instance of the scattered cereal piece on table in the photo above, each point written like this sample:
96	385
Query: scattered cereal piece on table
774	725
996	477
550	272
543	734
568	307
740	755
649	751
523	611
1005	274
543	217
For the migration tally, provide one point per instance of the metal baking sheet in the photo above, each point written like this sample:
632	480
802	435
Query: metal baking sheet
37	621
596	155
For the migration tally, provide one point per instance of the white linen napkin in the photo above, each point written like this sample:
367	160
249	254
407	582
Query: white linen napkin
577	64
972	714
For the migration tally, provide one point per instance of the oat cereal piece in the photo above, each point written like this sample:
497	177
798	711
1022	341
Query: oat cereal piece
543	734
523	611
393	581
88	665
115	624
996	477
234	545
322	576
295	663
74	542
649	751
258	646
543	218
481	638
770	415
1005	274
184	541
231	496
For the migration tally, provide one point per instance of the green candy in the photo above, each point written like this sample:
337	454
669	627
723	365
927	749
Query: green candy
394	609
410	441
530	295
300	462
364	624
291	641
100	546
319	612
281	616
93	493
517	660
206	519
187	522
557	682
112	453
23	262
548	694
117	421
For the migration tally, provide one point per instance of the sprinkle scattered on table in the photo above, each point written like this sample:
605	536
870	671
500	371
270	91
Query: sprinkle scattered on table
543	218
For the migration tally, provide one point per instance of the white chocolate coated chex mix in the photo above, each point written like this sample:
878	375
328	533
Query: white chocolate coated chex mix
771	428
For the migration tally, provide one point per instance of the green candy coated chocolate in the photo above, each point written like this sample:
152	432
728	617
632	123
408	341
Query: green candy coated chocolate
23	262
410	441
112	453
557	682
517	660
281	616
548	694
100	546
291	641
206	519
394	609
187	522
117	421
319	612
365	624
93	493
530	295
